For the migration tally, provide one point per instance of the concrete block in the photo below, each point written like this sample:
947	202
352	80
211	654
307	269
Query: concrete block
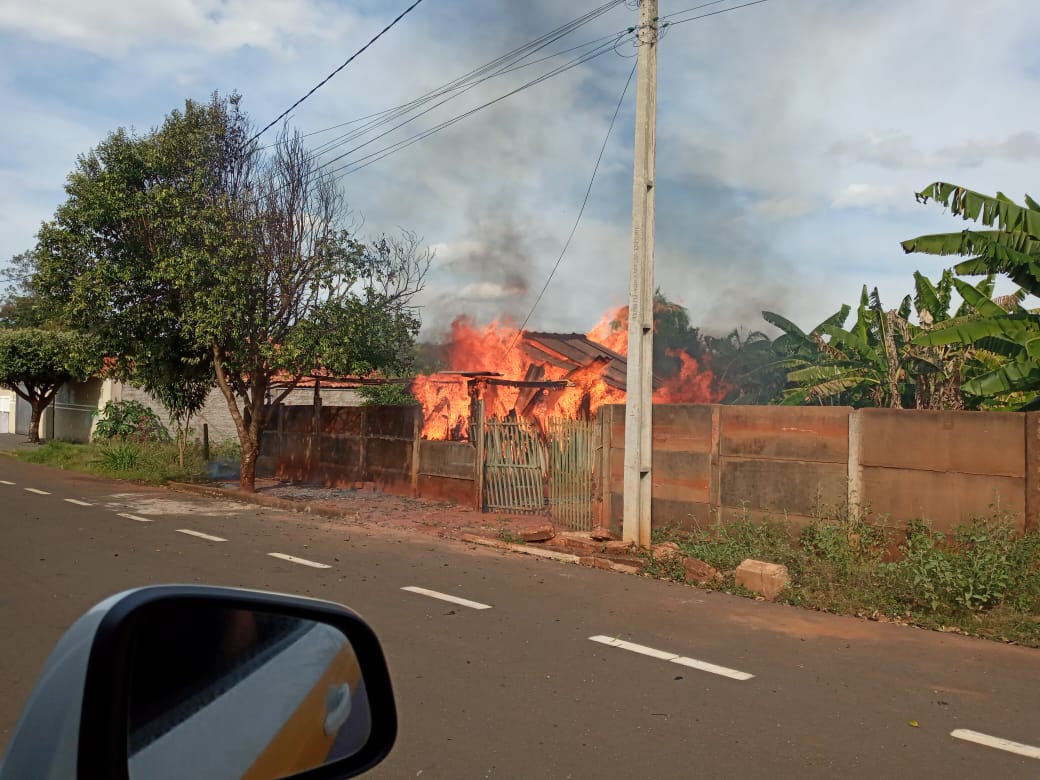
766	579
699	571
540	533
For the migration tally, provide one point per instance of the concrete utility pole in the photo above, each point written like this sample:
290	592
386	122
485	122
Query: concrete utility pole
638	404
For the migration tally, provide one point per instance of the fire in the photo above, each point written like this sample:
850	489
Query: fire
494	363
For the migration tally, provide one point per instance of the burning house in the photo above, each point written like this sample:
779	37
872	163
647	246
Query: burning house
537	375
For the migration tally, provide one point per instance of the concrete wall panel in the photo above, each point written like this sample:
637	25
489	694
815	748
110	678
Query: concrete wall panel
796	487
786	432
964	442
943	499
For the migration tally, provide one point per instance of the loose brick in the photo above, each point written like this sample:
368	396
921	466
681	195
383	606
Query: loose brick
766	579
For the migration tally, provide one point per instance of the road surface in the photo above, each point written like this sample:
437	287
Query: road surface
542	669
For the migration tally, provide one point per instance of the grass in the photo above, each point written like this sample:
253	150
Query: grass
983	579
153	463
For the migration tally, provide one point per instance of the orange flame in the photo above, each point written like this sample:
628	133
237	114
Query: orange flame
447	398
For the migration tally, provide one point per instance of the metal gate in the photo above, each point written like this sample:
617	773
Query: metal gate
514	466
571	448
524	469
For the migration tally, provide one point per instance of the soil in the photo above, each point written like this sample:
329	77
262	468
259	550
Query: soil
371	507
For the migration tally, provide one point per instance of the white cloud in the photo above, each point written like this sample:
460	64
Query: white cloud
113	28
870	196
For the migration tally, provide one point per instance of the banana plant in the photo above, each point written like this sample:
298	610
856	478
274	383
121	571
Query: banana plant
1005	334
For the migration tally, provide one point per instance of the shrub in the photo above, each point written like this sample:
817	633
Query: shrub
130	420
983	565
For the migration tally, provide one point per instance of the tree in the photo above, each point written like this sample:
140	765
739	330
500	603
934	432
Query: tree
1010	339
191	246
749	365
21	307
673	334
35	363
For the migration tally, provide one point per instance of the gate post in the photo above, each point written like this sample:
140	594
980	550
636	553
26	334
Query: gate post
476	426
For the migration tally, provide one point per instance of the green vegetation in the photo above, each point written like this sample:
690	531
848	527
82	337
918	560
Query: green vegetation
387	395
149	462
983	579
201	258
130	420
35	363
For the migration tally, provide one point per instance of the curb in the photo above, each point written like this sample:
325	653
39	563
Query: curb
582	560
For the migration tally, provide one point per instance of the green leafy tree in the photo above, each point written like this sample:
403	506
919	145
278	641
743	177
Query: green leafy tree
191	247
1008	336
35	363
21	307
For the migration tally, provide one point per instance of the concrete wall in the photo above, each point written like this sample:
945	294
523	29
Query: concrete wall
355	444
72	414
713	463
378	444
214	413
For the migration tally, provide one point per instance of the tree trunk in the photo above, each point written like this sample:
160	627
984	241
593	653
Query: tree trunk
34	420
247	467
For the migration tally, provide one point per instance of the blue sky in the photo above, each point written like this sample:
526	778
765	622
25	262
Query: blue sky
791	135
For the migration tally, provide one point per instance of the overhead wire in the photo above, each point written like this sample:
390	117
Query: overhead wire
386	151
581	211
712	13
506	63
328	78
391	114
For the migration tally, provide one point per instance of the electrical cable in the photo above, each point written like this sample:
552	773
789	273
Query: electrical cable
501	65
386	151
324	81
581	211
712	13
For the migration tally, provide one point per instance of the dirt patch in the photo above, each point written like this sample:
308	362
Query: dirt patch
367	506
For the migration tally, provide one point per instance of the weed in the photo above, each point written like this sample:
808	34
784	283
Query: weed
507	535
981	579
120	457
984	564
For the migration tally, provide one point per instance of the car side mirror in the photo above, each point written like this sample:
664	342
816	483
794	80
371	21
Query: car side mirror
193	681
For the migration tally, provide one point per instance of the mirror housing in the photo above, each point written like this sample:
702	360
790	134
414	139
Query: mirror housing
78	718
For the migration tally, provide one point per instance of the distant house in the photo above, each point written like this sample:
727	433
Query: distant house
73	414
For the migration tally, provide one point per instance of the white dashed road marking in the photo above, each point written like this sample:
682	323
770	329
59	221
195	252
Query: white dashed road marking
433	594
77	502
996	742
200	535
301	561
5	482
135	517
674	658
37	492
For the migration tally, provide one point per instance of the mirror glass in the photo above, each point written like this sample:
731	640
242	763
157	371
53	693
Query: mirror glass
230	693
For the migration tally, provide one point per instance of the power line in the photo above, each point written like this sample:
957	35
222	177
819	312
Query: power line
712	13
695	8
581	211
501	65
386	151
324	81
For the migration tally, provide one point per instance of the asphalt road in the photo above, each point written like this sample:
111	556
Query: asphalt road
520	690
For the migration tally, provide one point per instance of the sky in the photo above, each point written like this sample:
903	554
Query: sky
791	135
